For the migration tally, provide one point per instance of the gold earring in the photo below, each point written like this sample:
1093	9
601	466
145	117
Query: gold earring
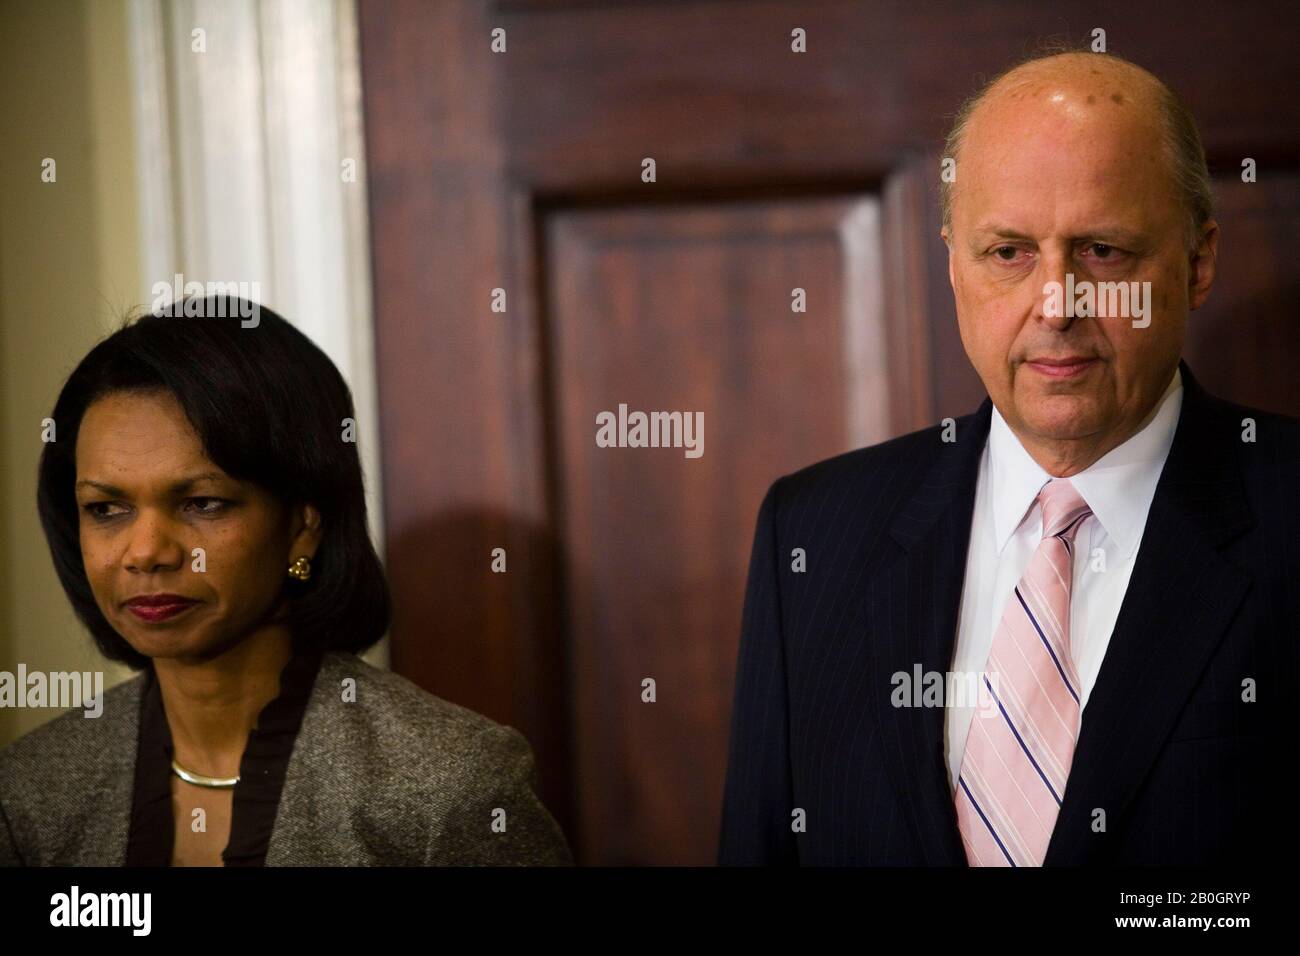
300	570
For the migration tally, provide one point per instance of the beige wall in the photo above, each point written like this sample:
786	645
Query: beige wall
69	267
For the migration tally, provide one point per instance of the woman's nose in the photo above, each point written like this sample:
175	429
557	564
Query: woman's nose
153	545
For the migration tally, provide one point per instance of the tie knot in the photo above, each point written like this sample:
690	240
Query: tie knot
1063	508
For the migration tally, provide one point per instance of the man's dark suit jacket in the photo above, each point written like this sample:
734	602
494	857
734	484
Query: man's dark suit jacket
1184	771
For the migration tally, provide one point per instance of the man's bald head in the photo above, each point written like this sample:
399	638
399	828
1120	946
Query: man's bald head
1101	81
1077	171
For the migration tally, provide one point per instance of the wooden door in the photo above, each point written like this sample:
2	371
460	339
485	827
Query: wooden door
782	275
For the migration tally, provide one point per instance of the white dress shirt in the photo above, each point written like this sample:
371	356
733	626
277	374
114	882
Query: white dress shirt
1007	526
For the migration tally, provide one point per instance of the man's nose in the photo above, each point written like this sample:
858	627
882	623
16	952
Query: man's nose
1053	306
153	544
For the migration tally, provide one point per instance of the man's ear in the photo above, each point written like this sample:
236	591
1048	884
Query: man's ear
1200	272
947	241
306	531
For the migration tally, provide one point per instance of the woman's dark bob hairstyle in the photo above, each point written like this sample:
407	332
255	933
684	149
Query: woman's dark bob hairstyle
269	407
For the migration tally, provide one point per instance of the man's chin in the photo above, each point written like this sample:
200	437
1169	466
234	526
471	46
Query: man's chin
1061	417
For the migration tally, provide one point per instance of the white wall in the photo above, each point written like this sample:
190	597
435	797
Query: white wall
69	267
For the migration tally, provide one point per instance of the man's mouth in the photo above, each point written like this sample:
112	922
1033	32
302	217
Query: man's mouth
1065	367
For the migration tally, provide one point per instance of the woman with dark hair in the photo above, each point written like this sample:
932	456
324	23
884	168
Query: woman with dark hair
203	501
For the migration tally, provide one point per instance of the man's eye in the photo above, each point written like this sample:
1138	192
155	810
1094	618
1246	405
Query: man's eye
1103	251
1009	250
208	506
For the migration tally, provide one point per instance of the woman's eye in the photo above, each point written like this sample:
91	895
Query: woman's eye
103	509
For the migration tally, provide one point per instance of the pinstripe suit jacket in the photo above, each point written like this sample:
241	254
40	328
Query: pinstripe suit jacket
397	777
1171	765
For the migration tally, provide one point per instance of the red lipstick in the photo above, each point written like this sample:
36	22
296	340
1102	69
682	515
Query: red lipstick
155	608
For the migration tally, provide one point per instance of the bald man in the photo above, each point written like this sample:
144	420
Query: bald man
1057	631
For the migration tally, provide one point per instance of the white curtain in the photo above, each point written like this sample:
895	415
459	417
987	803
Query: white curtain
252	169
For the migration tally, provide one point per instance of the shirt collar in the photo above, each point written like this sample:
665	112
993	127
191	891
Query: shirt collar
1118	487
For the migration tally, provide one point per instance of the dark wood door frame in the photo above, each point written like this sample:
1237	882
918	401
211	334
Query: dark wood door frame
467	149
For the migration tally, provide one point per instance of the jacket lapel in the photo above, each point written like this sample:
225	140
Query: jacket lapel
1181	597
293	831
912	608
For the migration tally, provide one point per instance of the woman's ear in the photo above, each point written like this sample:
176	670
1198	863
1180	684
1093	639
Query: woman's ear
306	531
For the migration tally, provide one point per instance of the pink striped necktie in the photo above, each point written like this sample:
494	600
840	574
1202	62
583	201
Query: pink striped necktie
1022	736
